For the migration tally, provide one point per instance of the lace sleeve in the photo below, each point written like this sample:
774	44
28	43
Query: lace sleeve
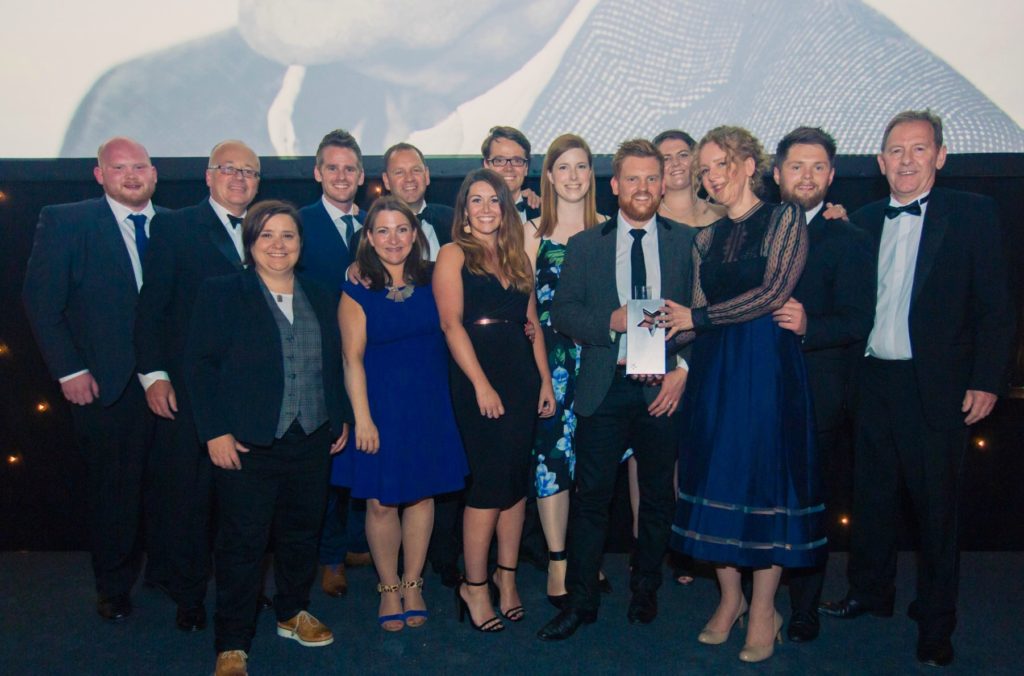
785	251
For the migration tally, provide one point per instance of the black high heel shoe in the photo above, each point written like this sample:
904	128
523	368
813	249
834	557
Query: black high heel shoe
514	614
490	626
560	601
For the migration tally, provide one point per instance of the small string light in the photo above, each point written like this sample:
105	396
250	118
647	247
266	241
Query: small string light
14	459
3	196
980	443
5	350
844	520
43	406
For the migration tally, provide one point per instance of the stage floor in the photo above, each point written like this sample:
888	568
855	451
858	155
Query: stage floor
49	626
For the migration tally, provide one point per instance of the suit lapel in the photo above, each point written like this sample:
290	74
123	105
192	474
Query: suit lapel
605	264
220	238
933	231
331	229
110	233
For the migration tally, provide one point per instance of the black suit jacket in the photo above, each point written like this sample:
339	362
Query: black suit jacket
961	316
185	247
233	366
325	254
80	294
587	296
837	290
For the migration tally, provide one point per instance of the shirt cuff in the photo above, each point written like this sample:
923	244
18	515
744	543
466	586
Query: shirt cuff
64	379
147	379
681	363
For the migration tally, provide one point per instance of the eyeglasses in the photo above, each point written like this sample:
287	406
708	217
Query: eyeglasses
517	162
230	170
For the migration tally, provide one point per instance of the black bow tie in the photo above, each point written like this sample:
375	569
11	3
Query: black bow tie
914	208
234	220
521	205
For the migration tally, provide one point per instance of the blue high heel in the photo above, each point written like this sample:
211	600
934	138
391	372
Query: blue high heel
420	616
383	620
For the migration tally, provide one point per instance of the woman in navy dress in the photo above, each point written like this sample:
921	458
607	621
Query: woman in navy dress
405	447
500	384
748	478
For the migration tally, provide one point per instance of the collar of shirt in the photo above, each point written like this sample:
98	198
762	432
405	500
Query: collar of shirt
335	213
509	100
811	213
622	228
222	214
893	202
121	212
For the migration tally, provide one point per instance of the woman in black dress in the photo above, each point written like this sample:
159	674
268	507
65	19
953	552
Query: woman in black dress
483	284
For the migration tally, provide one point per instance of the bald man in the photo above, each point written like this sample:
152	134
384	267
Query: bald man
189	245
80	294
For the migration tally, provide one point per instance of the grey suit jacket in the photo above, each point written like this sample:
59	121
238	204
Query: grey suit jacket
587	296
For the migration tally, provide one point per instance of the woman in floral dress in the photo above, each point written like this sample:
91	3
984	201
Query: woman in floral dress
568	206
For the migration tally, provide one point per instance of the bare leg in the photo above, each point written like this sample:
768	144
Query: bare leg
477	531
732	602
510	531
761	630
417	523
554	520
384	535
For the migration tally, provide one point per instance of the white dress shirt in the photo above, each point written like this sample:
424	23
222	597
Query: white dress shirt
235	233
335	213
897	258
624	266
429	233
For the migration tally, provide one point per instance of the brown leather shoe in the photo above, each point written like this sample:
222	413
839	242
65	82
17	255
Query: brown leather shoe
231	663
357	559
305	629
334	581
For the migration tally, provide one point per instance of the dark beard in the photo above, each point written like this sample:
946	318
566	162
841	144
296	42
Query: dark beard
637	214
808	203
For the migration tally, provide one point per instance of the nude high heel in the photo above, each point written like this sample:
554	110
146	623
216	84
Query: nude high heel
761	653
711	637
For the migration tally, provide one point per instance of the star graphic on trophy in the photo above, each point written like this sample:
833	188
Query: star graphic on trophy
649	321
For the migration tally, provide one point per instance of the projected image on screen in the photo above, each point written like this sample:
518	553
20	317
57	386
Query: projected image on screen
440	73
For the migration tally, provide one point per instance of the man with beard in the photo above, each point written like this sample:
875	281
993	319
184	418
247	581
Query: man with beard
615	411
188	246
831	308
81	289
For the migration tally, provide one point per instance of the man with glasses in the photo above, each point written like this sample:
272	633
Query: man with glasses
185	248
506	150
80	293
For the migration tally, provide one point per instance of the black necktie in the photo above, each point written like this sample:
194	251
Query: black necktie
914	208
234	220
141	240
637	267
350	228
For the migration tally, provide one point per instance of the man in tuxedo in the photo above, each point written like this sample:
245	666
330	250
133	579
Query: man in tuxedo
406	176
330	228
187	246
615	411
936	359
81	290
506	150
831	309
293	69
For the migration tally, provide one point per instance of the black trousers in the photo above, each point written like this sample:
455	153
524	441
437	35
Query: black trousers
620	422
181	483
895	442
280	492
115	441
829	389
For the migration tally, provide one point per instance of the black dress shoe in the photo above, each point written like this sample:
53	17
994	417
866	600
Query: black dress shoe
114	608
914	611
191	619
264	603
604	585
803	627
565	624
849	608
935	653
643	608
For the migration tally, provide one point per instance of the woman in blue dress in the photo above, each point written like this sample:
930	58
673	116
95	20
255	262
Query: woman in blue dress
749	491
568	206
405	447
